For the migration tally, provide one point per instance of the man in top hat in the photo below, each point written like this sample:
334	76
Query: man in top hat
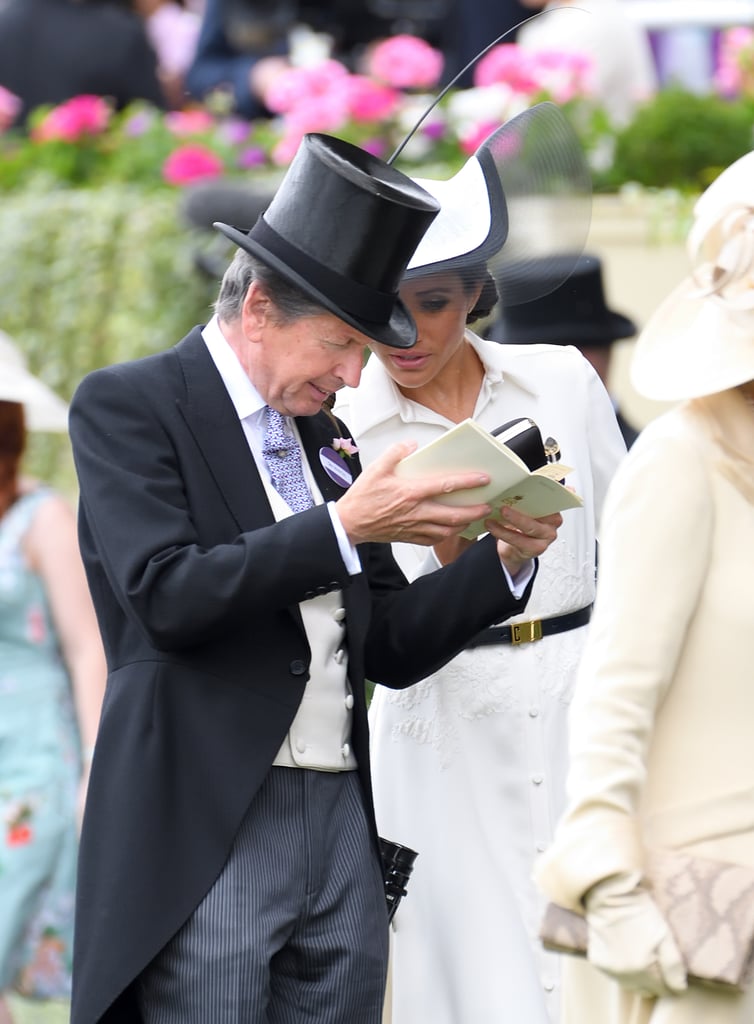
229	866
573	313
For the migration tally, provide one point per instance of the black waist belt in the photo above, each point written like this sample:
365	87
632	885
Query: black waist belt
527	632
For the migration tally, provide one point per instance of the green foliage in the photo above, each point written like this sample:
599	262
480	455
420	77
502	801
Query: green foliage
90	277
680	140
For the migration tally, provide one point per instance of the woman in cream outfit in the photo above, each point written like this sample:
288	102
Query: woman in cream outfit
468	765
661	737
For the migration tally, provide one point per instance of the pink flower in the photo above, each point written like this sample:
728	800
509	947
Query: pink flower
369	100
36	629
434	130
376	147
191	163
82	115
406	62
733	73
285	150
188	122
344	446
508	64
139	123
298	85
235	131
564	76
18	835
10	107
251	156
472	139
325	112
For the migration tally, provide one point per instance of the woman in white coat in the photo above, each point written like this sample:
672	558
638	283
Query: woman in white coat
469	763
661	738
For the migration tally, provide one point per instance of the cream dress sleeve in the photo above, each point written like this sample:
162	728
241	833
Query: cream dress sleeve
656	531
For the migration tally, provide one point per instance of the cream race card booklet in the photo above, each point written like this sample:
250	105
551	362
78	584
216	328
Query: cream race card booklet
468	446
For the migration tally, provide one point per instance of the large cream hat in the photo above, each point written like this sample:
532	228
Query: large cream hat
700	340
43	409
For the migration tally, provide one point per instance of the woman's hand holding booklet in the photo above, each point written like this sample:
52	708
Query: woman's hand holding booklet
538	492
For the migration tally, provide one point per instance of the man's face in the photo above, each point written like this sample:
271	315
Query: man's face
295	366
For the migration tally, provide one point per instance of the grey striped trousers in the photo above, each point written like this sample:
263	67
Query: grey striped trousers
294	930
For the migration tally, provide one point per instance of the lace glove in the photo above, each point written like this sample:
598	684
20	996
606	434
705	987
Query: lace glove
629	938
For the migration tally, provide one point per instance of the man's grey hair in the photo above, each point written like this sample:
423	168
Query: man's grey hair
290	302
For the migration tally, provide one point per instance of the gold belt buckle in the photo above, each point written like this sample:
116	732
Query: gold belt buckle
526	632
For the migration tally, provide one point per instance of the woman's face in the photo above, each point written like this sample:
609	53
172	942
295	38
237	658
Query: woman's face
439	304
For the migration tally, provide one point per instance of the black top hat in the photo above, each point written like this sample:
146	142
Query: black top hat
342	227
574	313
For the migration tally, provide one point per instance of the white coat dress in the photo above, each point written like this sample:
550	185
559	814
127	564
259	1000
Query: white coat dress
662	751
469	764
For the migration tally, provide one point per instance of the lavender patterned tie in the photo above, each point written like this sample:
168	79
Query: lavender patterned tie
283	457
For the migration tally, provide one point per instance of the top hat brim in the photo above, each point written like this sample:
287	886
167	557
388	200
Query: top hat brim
399	331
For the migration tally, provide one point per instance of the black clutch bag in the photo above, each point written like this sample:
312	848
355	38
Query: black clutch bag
523	436
397	864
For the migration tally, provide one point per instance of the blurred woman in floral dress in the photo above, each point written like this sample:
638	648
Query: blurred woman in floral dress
52	674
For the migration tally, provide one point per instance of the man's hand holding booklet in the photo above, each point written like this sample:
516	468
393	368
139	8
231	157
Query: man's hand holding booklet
537	492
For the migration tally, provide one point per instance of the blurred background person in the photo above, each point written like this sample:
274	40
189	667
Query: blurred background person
660	726
471	25
53	50
244	44
624	71
173	32
468	764
52	676
574	313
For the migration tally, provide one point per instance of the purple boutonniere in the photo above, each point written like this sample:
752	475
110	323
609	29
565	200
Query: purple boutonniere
335	460
344	446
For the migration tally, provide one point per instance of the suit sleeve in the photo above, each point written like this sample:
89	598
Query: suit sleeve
419	627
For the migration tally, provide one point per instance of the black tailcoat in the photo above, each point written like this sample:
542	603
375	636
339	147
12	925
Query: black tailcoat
197	590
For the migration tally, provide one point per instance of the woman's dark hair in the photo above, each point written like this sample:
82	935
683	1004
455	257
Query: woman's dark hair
12	444
488	297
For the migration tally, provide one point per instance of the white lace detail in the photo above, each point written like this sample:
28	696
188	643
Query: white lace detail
496	680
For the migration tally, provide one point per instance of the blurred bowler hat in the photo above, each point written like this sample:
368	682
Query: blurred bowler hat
342	227
574	313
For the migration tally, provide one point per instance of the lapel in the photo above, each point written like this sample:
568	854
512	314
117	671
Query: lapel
212	420
319	432
214	424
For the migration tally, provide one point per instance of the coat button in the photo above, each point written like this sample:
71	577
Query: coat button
339	614
346	749
339	655
349	701
297	667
